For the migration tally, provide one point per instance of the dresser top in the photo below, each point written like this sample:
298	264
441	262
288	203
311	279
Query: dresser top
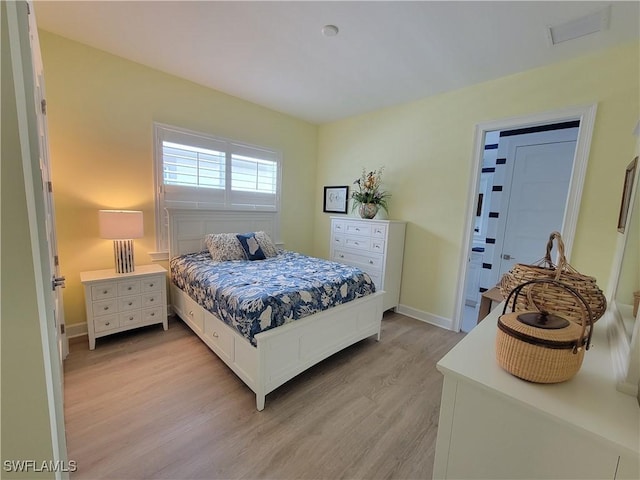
348	218
110	273
588	402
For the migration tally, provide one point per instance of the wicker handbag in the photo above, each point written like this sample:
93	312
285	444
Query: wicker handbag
551	297
541	347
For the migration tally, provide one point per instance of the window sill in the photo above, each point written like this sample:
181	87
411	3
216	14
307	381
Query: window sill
159	256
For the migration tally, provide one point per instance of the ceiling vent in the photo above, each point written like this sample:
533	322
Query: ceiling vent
579	27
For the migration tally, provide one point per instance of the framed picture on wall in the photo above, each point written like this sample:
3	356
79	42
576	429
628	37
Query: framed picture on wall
629	177
335	199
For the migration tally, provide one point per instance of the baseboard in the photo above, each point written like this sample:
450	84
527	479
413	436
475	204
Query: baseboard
426	317
76	330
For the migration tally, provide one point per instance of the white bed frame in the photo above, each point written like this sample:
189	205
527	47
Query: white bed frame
283	352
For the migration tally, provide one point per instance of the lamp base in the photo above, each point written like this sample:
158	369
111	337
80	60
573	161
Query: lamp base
123	255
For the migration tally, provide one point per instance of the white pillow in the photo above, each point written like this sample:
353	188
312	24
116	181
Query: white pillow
224	247
266	244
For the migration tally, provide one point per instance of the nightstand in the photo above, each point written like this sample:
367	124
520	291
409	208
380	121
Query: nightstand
116	302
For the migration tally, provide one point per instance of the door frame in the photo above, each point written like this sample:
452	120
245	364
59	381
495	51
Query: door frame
22	68
586	114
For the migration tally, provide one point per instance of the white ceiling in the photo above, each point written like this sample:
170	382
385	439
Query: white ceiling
273	53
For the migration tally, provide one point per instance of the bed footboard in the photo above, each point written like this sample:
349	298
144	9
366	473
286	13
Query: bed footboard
285	351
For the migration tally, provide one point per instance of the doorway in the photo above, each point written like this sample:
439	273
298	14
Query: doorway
547	137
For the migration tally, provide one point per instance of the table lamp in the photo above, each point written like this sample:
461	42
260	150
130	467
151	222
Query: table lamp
121	226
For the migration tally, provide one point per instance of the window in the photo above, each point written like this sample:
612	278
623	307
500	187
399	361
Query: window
195	170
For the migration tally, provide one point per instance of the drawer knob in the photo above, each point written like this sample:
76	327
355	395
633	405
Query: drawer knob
151	299
215	335
106	308
371	262
129	288
130	303
151	284
152	314
130	318
191	313
341	256
108	323
105	292
356	243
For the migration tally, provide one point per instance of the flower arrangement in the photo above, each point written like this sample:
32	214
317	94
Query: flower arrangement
367	190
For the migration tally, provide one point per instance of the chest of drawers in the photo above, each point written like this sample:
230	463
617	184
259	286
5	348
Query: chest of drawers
116	302
375	246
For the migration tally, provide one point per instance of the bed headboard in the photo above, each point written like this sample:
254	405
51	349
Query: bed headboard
187	228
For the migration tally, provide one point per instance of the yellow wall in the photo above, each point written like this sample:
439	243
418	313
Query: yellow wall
101	110
427	148
101	114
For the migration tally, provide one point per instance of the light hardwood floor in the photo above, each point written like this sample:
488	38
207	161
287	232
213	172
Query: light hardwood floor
156	404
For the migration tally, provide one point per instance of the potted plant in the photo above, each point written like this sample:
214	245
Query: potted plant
368	196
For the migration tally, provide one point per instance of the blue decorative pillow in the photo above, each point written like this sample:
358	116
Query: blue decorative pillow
251	246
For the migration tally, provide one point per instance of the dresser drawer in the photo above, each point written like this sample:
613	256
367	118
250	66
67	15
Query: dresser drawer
129	303
366	244
369	261
151	299
379	231
377	245
376	278
128	287
352	228
102	324
152	284
103	291
105	307
150	315
130	318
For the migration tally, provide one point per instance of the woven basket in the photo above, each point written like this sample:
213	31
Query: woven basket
542	353
551	297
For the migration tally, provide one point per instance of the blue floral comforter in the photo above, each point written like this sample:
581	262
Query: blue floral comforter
254	296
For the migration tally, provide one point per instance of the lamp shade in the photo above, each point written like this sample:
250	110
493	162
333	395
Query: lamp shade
120	224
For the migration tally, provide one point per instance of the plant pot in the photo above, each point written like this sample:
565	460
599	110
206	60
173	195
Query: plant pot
368	210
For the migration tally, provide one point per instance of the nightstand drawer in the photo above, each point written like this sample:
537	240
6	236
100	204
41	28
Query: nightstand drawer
152	284
103	291
129	303
128	287
105	307
130	318
103	324
152	315
151	299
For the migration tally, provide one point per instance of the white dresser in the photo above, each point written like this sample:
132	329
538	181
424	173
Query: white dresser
494	425
375	246
116	302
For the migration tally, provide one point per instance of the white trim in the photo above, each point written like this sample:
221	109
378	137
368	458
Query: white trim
77	330
586	114
426	317
58	449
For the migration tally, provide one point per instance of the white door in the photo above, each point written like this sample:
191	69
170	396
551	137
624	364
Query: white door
537	200
57	280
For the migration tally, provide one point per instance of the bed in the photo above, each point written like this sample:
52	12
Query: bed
264	353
